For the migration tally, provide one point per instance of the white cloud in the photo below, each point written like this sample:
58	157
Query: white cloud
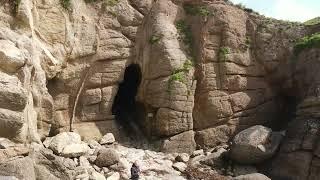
293	10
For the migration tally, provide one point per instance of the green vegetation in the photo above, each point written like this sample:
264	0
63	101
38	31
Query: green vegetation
154	39
187	65
15	6
185	34
223	52
106	2
89	1
312	22
66	4
247	42
242	6
197	10
307	42
111	2
179	74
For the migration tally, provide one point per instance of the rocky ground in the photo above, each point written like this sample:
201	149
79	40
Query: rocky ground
65	156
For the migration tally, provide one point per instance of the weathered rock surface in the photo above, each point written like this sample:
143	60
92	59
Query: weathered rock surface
204	78
254	176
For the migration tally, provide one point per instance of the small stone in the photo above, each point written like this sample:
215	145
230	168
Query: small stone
76	161
96	167
179	166
83	176
105	170
184	157
36	147
107	139
47	142
97	176
84	162
6	143
92	159
114	176
91	151
197	153
93	144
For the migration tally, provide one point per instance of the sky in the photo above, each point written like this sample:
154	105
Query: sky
292	10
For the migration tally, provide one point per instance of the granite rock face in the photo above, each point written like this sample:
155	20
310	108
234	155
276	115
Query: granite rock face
204	77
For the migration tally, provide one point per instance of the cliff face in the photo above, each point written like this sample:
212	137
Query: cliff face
207	71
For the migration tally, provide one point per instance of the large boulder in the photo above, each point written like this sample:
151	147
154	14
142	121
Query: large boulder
181	143
107	157
254	145
63	139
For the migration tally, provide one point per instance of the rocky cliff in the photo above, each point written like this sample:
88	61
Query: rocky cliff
201	71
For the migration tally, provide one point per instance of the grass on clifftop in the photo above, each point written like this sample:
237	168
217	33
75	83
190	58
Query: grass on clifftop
197	10
307	42
312	22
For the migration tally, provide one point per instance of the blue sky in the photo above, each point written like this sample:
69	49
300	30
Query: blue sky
293	10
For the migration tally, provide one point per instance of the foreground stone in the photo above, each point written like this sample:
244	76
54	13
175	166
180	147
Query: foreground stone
6	143
114	176
107	157
254	145
180	166
183	157
21	168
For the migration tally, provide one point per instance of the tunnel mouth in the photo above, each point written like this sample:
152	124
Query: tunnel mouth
125	108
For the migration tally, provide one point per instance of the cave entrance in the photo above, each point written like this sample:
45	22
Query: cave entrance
125	107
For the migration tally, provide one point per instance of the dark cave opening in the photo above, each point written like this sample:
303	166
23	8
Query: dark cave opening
287	112
126	109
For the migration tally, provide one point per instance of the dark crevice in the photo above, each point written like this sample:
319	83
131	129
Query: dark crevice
287	111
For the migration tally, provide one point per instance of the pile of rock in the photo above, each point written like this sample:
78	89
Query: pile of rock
65	156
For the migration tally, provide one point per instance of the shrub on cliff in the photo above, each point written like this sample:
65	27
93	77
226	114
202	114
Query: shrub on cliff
307	42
